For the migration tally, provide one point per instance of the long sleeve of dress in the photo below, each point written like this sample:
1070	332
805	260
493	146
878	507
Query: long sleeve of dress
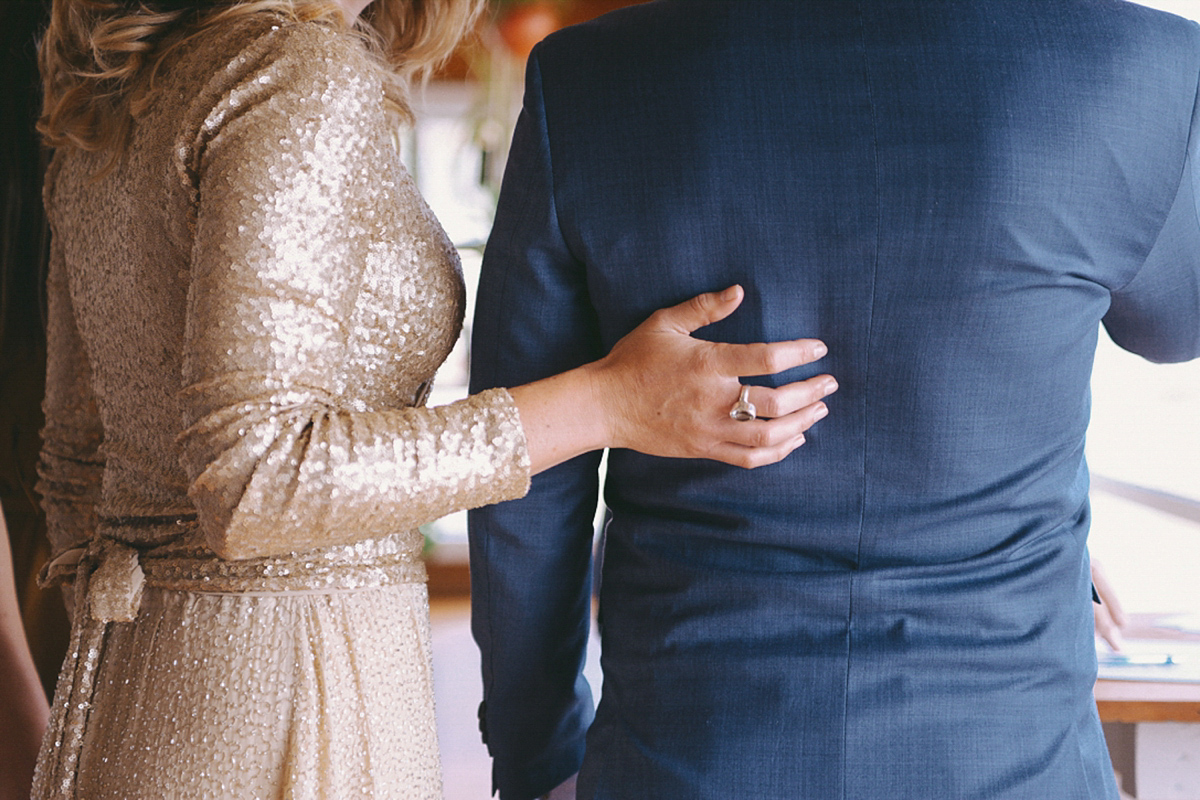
313	321
71	464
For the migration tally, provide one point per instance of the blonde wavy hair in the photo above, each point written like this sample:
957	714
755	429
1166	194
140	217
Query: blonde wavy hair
98	58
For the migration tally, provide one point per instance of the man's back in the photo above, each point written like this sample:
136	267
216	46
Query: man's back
950	195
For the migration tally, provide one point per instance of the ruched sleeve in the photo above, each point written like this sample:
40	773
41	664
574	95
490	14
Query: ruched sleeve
71	465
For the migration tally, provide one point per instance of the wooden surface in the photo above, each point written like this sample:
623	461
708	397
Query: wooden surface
1134	701
1146	701
448	579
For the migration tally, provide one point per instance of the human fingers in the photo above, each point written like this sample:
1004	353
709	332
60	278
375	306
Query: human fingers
703	309
783	400
753	457
772	432
1107	594
765	358
1106	628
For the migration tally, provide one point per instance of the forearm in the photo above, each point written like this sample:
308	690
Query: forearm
23	707
563	417
23	713
664	393
352	475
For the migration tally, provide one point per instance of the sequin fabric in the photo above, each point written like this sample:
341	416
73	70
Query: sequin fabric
245	316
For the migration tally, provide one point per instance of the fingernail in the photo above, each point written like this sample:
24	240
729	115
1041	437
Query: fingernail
730	293
820	350
821	411
831	385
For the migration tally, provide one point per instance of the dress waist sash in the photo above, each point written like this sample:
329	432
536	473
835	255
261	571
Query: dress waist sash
109	576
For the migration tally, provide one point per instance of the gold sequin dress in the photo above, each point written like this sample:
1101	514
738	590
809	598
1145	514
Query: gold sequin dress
245	316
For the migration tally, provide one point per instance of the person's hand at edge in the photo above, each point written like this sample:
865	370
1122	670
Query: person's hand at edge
1110	617
665	393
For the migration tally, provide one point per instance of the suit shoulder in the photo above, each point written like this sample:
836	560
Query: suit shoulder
615	29
1128	18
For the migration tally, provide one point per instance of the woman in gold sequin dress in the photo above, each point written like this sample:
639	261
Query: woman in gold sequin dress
248	301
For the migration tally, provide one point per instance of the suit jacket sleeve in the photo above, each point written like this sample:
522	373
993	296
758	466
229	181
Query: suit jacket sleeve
530	559
1157	314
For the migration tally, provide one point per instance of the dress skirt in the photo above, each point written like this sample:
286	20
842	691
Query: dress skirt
322	693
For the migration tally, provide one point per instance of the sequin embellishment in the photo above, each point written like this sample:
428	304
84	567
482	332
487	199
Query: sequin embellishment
242	315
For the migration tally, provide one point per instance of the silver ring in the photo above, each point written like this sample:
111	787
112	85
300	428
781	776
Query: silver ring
743	410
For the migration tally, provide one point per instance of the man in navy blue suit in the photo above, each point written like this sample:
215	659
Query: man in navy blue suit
954	196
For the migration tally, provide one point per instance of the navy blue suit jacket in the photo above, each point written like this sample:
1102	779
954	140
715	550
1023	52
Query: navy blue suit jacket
954	196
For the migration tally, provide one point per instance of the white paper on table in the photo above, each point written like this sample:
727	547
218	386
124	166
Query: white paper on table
1158	660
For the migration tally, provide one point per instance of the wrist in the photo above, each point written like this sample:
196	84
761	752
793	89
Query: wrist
601	404
566	415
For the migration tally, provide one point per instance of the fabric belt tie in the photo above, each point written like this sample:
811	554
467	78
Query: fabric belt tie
108	580
112	573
